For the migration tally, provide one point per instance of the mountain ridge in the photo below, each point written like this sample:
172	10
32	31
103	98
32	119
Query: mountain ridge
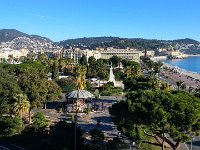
7	35
18	39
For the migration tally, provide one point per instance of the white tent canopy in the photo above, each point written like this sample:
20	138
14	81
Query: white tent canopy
83	94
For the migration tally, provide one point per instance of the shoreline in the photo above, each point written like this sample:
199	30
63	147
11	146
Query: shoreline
191	79
195	75
180	71
193	55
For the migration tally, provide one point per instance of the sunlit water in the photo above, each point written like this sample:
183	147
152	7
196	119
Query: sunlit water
191	63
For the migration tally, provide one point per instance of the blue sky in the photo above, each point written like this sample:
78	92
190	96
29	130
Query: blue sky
65	19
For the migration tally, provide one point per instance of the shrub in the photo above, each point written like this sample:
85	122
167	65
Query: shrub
39	121
11	125
96	135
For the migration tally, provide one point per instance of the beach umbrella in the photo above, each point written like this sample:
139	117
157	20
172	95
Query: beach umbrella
83	94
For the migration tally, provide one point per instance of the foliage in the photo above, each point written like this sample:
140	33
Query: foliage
8	89
158	112
109	90
54	91
83	60
88	85
11	125
119	75
42	57
62	136
67	85
81	75
138	83
131	68
96	135
21	104
39	121
115	144
55	70
179	83
115	60
101	68
36	86
116	42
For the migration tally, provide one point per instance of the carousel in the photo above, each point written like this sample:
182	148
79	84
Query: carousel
79	100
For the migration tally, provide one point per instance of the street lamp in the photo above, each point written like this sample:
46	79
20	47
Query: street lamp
191	143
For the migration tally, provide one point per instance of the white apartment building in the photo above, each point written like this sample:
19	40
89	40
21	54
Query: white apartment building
77	53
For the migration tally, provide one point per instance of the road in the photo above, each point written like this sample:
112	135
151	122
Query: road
5	146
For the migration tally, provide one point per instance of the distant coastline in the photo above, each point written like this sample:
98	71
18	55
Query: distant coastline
191	63
192	55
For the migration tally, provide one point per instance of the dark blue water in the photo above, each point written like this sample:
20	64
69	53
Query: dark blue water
191	63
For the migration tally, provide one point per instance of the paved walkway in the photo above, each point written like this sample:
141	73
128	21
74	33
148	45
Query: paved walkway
86	123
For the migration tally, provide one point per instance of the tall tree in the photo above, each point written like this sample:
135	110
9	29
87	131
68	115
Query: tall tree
61	65
62	136
115	60
8	89
157	66
10	126
91	71
83	60
101	68
42	57
179	83
81	77
39	121
36	86
21	104
55	70
157	114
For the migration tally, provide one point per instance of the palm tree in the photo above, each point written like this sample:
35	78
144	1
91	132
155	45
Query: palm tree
10	58
137	70
128	71
157	66
81	75
165	86
21	104
179	83
156	83
190	90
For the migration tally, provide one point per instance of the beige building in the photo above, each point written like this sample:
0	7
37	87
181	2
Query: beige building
122	53
7	52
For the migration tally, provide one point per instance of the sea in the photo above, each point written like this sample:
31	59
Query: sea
191	63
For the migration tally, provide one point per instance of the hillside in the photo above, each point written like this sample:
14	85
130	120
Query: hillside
185	41
138	43
14	39
10	34
116	42
7	35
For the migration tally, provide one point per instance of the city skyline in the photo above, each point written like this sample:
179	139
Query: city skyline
164	20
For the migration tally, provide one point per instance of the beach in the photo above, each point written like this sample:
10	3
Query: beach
190	79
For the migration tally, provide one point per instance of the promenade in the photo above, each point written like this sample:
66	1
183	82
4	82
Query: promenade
187	79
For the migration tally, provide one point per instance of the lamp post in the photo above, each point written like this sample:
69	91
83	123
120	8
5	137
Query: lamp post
75	119
191	143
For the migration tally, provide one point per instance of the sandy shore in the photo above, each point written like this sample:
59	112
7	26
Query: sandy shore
189	78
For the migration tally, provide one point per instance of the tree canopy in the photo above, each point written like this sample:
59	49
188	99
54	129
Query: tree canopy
158	114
